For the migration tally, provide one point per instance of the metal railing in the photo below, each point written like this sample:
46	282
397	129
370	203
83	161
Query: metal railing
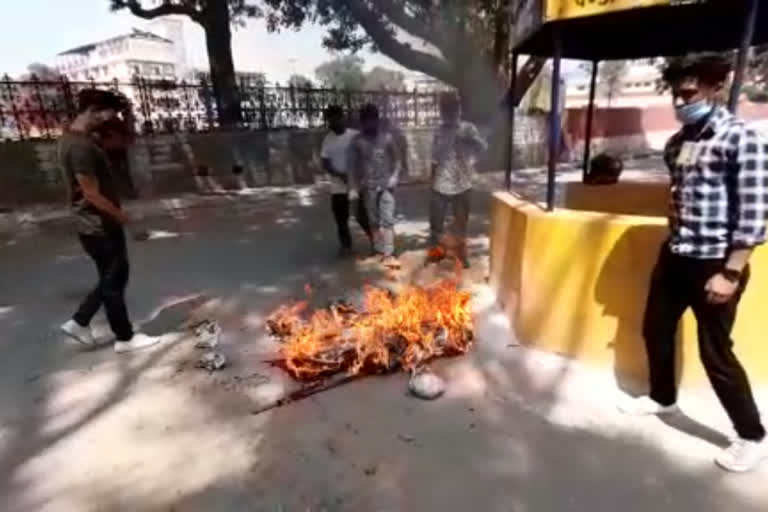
39	108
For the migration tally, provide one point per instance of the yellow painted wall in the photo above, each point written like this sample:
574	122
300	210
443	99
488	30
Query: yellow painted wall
575	283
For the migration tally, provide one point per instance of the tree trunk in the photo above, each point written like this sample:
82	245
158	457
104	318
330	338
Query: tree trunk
218	40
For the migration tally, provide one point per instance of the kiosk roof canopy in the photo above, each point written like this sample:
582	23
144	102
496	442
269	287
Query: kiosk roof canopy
666	30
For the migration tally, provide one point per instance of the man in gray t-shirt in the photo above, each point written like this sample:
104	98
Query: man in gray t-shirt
79	155
374	171
99	220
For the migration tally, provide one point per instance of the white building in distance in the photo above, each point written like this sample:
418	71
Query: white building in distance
121	58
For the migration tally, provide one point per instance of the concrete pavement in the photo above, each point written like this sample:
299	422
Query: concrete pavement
517	430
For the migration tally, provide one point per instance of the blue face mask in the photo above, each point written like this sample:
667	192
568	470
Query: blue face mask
692	113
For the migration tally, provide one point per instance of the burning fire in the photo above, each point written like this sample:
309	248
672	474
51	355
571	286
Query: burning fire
391	332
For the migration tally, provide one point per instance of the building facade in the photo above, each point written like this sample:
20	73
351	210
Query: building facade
121	58
637	87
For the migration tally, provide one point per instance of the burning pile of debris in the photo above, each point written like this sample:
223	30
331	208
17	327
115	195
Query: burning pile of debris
383	332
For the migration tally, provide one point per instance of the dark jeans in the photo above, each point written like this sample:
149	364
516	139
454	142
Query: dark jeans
340	206
438	209
109	253
678	283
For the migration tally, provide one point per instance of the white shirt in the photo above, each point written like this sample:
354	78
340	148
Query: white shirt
335	148
453	151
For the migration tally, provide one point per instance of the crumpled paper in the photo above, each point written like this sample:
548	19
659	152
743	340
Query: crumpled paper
207	334
212	361
426	385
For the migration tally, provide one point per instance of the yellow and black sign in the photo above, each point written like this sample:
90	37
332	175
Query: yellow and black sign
565	9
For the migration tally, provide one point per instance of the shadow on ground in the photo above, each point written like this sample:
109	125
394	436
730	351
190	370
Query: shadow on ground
93	431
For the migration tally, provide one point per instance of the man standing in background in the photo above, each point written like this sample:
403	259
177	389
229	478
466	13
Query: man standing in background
335	156
100	220
455	146
374	172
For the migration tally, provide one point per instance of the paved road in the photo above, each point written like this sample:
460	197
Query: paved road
517	431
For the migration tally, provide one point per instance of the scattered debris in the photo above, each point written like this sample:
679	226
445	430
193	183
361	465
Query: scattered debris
406	438
370	470
331	446
425	384
212	361
307	391
207	334
252	380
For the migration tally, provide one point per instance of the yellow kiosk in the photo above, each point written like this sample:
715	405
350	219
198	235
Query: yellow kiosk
574	280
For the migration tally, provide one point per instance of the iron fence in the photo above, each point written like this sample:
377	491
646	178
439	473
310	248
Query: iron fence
41	108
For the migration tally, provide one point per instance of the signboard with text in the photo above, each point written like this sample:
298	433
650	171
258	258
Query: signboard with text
566	9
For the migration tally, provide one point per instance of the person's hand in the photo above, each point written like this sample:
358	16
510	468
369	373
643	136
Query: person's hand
392	182
354	195
719	289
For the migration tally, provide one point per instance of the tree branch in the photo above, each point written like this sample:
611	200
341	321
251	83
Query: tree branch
398	16
165	9
403	53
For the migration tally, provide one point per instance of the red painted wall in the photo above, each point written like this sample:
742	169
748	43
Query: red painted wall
626	121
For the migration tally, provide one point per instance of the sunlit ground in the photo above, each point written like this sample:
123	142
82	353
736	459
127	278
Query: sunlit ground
516	431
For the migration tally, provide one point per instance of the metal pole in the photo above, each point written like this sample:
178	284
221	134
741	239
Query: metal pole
554	120
741	62
590	115
512	98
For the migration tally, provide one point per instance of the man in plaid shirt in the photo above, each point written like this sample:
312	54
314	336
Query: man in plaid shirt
718	212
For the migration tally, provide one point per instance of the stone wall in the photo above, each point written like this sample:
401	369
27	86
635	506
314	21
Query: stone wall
163	165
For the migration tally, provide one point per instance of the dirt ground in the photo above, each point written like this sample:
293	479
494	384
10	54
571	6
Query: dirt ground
517	430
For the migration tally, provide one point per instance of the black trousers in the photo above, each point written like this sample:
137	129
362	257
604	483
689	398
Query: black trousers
340	206
678	283
109	253
439	204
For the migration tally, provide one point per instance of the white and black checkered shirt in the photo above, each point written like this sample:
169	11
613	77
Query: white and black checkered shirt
719	187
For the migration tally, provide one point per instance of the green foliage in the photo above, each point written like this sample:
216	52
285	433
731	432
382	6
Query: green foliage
194	9
300	82
756	94
445	39
383	79
344	72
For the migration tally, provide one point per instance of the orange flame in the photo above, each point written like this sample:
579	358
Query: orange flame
392	332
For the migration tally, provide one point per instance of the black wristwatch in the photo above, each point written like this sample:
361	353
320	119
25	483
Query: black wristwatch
731	274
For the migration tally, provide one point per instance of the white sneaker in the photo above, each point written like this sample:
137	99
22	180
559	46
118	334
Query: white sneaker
111	336
138	342
646	406
743	456
77	332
